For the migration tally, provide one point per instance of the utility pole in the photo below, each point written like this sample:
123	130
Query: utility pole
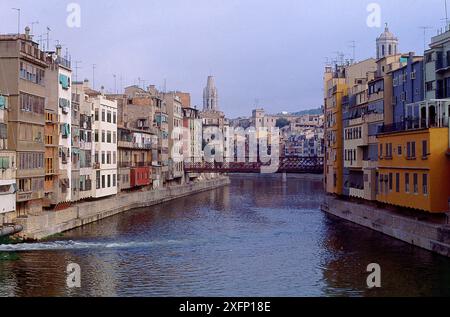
18	20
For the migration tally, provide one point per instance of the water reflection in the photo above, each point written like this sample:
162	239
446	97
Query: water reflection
257	237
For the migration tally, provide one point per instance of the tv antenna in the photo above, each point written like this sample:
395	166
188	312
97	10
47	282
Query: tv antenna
32	26
76	69
353	47
425	28
18	19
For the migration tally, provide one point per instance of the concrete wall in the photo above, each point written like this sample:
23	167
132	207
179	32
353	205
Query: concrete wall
432	236
50	223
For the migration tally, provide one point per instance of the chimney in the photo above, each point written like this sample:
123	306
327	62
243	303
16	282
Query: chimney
27	33
58	50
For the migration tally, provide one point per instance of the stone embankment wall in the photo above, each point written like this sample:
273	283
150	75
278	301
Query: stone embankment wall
53	222
427	234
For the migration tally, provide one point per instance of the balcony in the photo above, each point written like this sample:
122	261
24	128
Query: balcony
408	124
63	62
140	176
133	145
356	192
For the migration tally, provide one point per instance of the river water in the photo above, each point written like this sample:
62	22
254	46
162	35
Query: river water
256	237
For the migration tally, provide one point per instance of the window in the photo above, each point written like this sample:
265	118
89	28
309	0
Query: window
103	136
114	137
416	183
4	163
32	73
399	150
388	150
96	115
103	157
114	180
381	150
424	149
109	181
390	181
397	182
103	181
30	160
429	85
114	157
108	137
425	184
108	117
3	131
108	158
114	118
411	150
31	103
103	115
96	136
407	182
97	180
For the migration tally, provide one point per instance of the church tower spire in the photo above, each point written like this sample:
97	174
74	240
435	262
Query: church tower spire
387	44
210	96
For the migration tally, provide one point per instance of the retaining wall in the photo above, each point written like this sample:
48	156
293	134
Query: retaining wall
53	222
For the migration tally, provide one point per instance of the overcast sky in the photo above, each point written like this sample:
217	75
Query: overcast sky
271	51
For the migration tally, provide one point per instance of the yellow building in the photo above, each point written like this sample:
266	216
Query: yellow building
335	91
413	168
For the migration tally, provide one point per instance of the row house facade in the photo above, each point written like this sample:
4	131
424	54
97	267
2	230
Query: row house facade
104	144
7	167
162	123
86	138
24	70
395	129
137	139
175	120
58	131
414	166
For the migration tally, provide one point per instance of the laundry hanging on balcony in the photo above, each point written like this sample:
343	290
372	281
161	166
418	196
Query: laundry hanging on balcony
65	130
64	81
2	102
64	104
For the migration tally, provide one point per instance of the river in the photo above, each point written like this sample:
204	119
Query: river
256	237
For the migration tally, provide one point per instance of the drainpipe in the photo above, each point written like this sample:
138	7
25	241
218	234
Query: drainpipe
9	230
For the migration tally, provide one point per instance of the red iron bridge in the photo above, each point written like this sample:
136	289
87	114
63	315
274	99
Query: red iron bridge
288	164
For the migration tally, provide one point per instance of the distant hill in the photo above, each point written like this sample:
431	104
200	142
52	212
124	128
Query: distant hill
305	112
310	111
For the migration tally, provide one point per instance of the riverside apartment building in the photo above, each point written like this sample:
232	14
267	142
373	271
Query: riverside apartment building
24	69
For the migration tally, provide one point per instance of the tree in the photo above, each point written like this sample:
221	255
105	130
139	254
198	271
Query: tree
282	122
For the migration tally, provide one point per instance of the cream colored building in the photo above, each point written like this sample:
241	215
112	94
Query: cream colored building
105	145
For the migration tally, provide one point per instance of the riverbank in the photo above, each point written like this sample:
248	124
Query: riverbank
425	233
50	223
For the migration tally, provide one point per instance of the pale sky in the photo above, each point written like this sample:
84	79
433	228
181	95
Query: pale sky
272	51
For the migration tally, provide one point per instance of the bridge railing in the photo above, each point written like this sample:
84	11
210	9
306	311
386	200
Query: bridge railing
284	165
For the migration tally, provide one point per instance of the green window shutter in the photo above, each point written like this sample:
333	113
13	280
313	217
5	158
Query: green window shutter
2	102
